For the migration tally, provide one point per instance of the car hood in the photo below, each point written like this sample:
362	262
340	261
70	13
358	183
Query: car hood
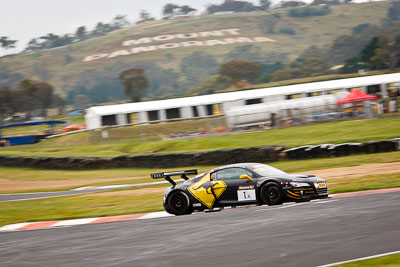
305	177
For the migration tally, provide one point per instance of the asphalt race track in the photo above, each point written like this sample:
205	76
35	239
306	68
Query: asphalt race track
305	234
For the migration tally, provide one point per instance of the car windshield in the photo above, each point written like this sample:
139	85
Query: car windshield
265	170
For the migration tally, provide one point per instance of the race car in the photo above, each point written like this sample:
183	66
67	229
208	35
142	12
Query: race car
238	185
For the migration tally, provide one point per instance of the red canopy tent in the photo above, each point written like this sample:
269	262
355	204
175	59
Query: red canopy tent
356	96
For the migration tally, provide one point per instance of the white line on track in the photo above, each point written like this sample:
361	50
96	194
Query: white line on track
26	193
324	201
14	226
288	205
360	259
74	222
154	215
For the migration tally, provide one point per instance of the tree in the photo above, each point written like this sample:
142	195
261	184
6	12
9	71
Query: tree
34	45
267	70
215	82
292	3
187	9
360	27
240	70
52	40
325	2
134	81
301	68
101	29
309	11
145	16
352	65
81	101
35	95
120	21
232	5
7	100
81	33
169	8
60	103
387	55
306	67
247	52
369	50
7	43
268	26
394	11
281	75
265	4
198	66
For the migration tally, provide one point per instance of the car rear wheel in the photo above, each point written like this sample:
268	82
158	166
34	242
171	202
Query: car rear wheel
271	194
179	203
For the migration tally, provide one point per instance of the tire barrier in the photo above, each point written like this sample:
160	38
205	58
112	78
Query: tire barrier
173	160
339	150
208	158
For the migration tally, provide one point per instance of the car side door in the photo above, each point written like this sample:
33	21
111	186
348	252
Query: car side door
239	191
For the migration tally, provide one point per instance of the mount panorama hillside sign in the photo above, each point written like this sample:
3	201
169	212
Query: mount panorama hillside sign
233	33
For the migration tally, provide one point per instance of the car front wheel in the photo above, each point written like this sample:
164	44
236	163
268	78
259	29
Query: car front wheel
179	203
271	194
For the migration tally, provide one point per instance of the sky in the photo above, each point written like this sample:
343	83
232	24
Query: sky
23	20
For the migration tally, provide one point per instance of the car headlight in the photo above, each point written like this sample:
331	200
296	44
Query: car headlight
320	185
299	184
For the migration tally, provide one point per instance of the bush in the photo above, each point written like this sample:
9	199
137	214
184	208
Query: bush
359	28
309	11
287	31
394	11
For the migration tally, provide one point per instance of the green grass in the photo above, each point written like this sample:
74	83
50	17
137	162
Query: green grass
86	144
137	175
387	261
78	207
19	177
368	182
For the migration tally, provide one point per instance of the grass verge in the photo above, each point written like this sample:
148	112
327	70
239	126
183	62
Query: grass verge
25	180
84	144
387	261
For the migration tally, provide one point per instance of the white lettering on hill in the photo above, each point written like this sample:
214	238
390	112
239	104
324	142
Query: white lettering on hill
174	45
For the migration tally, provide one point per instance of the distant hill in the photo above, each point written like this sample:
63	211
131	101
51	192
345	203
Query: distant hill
178	55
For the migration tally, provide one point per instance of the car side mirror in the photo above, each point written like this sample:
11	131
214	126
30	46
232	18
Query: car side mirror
245	176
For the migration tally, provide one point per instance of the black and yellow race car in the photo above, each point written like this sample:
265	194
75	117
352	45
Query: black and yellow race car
238	185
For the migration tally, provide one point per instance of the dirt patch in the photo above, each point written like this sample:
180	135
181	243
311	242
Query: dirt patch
357	171
135	192
9	185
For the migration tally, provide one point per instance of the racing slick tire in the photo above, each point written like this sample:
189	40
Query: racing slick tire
271	194
179	203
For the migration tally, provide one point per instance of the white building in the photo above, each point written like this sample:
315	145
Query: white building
209	105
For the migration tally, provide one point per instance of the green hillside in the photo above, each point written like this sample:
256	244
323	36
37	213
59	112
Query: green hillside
65	68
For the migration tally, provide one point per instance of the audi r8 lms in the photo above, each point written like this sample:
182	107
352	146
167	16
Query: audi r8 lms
238	185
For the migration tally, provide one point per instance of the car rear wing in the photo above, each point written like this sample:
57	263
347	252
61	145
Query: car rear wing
167	175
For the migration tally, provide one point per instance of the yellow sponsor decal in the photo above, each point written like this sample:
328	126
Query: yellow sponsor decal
293	193
203	190
293	196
